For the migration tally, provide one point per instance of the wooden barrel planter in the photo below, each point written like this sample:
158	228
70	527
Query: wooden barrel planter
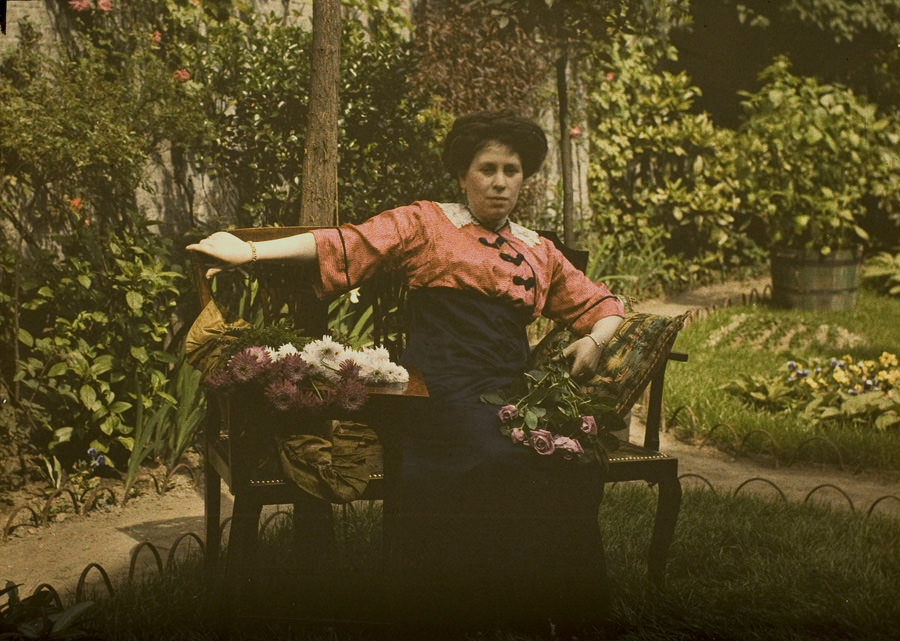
808	280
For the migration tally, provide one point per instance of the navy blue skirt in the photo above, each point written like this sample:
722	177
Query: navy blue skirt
492	526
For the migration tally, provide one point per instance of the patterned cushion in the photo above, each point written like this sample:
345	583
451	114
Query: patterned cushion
629	360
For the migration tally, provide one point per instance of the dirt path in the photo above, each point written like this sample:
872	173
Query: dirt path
57	554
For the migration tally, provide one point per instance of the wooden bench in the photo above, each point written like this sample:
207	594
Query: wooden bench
231	451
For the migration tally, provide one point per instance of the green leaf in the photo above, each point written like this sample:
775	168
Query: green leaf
139	353
127	442
25	337
85	281
63	434
135	300
58	369
88	396
69	616
102	364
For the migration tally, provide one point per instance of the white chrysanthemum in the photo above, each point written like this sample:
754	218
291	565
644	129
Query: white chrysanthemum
285	350
375	367
272	352
326	351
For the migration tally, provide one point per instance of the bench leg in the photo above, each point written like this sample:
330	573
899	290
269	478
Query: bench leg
667	507
314	528
242	544
212	509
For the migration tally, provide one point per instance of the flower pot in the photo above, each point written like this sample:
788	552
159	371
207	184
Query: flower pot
808	280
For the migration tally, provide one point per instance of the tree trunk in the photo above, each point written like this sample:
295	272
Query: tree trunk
565	149
318	204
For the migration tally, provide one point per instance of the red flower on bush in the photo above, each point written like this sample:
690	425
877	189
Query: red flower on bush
80	5
610	76
181	75
575	132
76	204
104	5
156	37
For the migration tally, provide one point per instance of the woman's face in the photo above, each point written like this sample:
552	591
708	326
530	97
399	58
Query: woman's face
492	183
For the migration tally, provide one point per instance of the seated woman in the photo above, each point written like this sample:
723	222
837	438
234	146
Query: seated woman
492	529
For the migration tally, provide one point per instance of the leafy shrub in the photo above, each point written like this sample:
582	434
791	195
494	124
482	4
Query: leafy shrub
657	165
815	160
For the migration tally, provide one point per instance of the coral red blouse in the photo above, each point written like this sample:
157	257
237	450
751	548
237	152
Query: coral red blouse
444	245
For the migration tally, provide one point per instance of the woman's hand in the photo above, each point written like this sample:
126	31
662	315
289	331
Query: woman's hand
588	349
225	248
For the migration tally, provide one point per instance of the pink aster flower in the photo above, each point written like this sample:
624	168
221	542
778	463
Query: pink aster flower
104	5
351	394
542	442
282	395
247	365
588	425
80	5
181	75
218	379
291	367
309	399
349	369
507	413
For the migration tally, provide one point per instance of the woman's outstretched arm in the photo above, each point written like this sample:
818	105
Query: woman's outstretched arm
231	251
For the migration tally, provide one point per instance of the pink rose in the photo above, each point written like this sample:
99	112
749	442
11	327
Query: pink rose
507	413
517	435
542	442
588	425
575	132
80	5
104	5
181	75
569	447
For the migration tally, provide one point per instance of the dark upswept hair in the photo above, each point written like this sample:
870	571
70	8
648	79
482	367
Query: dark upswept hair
470	134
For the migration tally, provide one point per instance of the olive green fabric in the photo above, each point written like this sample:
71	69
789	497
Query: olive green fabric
641	342
338	470
208	337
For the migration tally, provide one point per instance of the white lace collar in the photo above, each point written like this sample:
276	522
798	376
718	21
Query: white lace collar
460	216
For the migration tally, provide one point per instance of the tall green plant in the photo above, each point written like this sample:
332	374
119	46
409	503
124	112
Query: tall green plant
662	177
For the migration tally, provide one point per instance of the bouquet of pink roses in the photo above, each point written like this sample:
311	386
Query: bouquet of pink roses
550	412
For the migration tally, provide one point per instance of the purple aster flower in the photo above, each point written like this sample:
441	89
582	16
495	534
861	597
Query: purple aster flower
218	379
292	367
349	369
246	364
351	394
282	395
309	399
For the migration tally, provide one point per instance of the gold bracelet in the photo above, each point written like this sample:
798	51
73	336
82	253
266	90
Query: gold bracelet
252	252
596	342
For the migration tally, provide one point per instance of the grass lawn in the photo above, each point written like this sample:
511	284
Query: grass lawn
760	340
741	568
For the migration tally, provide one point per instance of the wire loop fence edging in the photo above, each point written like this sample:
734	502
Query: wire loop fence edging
761	480
170	558
45	513
701	477
46	587
879	500
79	589
136	552
833	487
9	521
